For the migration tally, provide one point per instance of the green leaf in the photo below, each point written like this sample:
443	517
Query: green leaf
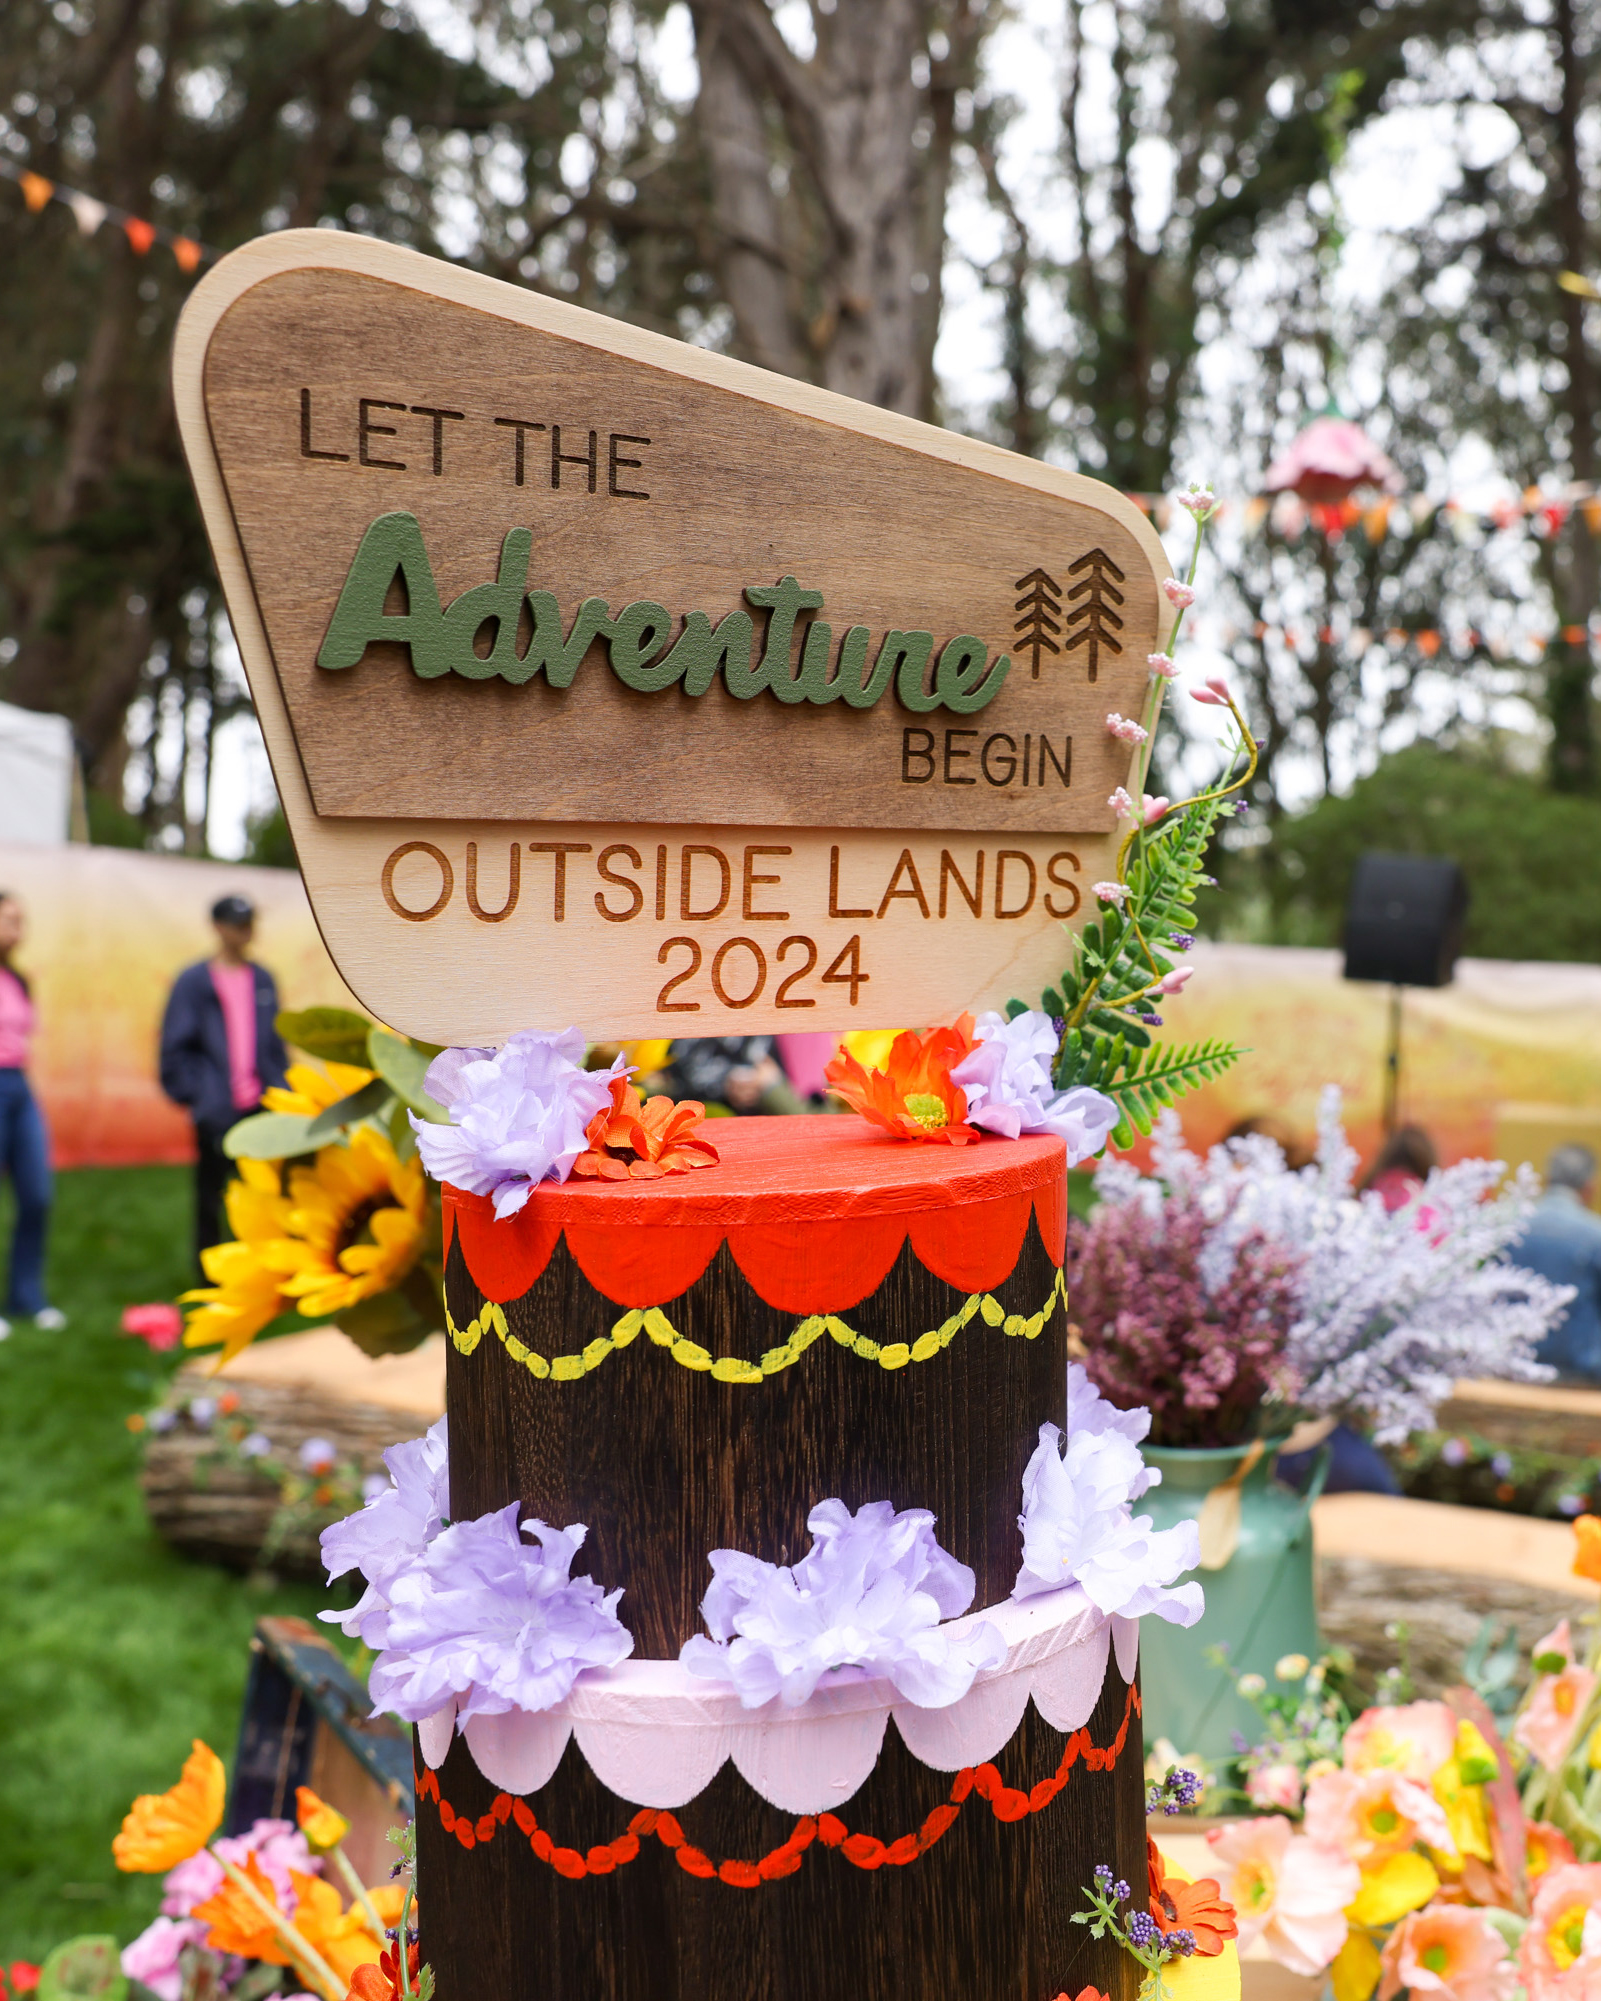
385	1325
370	1102
269	1136
1014	1008
401	1136
336	1034
403	1066
1549	1663
83	1969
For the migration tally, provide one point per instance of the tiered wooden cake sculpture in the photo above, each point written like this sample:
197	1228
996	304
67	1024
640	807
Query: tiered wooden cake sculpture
692	1364
608	680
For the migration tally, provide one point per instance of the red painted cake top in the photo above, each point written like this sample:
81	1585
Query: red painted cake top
848	1190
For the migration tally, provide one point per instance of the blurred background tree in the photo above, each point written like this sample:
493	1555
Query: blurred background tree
1107	232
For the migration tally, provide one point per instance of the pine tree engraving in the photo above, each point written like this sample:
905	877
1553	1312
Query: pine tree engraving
1094	617
1038	606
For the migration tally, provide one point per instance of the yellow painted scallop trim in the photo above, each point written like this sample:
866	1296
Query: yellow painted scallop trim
688	1354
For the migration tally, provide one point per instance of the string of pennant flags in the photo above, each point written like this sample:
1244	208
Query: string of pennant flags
1431	641
1537	510
91	214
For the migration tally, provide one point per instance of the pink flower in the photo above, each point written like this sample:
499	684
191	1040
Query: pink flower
1172	983
1330	457
1286	1890
278	1846
1154	808
1560	1958
1200	501
1215	694
1110	892
1180	596
1121	804
1414	1741
1558	1641
1553	1713
1373	1814
1125	728
158	1324
153	1956
1449	1950
1275	1786
1162	665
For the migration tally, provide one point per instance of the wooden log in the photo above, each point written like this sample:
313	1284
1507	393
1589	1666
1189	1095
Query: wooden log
666	1455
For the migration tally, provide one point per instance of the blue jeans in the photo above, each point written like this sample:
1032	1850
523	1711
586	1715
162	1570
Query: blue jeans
25	1157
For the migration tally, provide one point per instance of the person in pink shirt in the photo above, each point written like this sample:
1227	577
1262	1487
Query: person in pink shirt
24	1143
220	1049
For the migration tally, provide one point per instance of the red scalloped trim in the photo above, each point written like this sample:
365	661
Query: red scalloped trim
814	1211
863	1851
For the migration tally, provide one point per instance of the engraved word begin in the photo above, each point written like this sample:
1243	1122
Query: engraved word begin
443	638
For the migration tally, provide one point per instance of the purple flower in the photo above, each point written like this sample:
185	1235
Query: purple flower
1181	941
1456	1452
481	1616
1007	1080
517	1115
318	1455
1077	1529
1142	1930
397	1524
153	1956
868	1595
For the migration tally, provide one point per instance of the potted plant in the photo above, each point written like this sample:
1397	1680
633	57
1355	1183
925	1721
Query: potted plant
1239	1299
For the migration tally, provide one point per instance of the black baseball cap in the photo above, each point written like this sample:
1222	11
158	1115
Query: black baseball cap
233	910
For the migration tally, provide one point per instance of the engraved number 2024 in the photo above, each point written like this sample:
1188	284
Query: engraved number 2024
739	972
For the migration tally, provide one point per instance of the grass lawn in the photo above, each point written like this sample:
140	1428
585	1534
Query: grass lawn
116	1651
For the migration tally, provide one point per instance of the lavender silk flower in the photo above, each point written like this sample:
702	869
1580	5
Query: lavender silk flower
395	1526
482	1616
517	1115
1077	1524
1007	1080
868	1596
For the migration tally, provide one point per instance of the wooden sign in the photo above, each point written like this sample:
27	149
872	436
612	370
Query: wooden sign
608	680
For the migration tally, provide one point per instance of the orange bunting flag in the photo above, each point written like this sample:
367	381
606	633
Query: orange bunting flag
140	234
187	252
36	191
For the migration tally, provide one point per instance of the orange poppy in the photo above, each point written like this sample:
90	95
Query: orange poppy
644	1139
1587	1556
323	1826
914	1097
163	1829
237	1924
381	1982
1199	1908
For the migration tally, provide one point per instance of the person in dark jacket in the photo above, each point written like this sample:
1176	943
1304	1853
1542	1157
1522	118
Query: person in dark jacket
220	1049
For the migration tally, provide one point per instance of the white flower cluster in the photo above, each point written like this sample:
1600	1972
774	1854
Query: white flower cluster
1393	1307
1078	1525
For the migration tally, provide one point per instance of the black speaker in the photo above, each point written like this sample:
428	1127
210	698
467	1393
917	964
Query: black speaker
1403	921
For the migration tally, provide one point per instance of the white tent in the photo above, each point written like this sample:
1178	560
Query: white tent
36	759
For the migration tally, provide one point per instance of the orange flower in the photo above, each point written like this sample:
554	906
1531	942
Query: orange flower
381	1982
1587	1557
914	1098
237	1924
1546	1847
163	1829
1199	1908
644	1139
323	1826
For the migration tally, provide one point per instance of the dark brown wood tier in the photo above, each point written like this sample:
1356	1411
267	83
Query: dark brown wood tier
665	1459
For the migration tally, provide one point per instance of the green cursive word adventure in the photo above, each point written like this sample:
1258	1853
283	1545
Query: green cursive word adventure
641	647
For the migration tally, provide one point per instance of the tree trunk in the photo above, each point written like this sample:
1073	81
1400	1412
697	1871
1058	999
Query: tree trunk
829	179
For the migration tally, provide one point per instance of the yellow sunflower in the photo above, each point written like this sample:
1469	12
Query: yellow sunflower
356	1225
246	1290
313	1091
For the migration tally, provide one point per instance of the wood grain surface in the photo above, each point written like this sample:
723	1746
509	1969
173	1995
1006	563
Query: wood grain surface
392	785
983	1915
741	493
663	1464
